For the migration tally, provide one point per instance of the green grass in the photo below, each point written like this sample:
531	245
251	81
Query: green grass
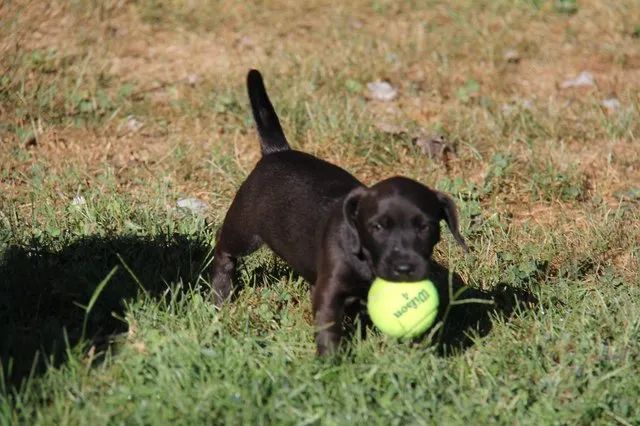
104	309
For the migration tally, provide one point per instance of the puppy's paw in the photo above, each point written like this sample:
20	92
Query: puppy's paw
217	298
327	344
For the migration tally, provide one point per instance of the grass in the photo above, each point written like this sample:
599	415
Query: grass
110	112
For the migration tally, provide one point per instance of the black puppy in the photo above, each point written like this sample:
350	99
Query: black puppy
331	229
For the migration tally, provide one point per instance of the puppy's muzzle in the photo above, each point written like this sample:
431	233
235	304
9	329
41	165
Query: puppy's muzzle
406	267
403	269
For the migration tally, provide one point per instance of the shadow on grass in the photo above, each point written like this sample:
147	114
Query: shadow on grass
41	289
473	311
40	316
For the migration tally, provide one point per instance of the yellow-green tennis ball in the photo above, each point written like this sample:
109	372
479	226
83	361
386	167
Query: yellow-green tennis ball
401	309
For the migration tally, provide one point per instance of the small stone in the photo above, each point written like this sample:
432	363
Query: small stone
133	124
78	200
382	91
584	79
193	205
192	79
611	104
356	24
527	104
511	56
246	42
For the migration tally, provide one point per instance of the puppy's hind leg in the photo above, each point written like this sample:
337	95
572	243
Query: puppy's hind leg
235	240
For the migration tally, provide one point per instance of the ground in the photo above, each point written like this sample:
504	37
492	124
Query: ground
113	112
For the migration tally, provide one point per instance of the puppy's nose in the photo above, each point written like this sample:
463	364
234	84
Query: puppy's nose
403	268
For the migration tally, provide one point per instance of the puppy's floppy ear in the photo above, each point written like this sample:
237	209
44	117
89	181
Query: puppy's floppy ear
349	210
449	214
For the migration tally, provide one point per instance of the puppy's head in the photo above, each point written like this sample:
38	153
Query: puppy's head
395	224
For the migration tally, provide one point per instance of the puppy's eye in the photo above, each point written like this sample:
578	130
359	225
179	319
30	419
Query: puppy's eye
423	226
376	226
380	224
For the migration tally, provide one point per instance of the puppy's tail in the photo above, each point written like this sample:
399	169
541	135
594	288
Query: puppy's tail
272	137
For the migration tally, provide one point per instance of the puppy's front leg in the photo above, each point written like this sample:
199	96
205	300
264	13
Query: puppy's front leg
221	276
328	309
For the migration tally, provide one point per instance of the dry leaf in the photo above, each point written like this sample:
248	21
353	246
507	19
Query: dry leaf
436	147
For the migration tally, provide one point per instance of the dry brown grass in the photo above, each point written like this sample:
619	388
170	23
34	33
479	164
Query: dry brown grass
179	57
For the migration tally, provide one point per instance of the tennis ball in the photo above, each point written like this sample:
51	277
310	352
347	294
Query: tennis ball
402	309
